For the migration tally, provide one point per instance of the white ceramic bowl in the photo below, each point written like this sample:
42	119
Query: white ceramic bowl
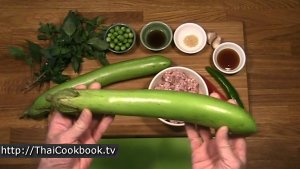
237	49
189	29
189	72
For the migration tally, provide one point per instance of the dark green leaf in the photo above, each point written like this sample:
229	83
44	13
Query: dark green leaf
35	51
46	53
60	78
98	43
55	51
42	37
99	20
57	28
44	28
101	56
91	25
69	25
48	29
77	38
76	64
17	52
64	50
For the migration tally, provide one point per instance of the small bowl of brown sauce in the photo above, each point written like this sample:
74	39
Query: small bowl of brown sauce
190	38
229	58
156	36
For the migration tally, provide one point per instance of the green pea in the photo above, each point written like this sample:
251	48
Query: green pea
120	32
116	40
120	37
117	48
112	30
130	35
117	28
127	45
123	47
125	35
125	41
128	30
108	39
115	34
120	44
123	28
109	34
111	45
130	41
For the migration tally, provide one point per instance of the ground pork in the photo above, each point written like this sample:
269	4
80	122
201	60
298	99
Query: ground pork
178	81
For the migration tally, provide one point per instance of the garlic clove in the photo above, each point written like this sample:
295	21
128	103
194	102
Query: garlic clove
217	42
211	36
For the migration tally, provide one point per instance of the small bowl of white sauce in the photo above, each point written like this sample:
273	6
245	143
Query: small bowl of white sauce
190	38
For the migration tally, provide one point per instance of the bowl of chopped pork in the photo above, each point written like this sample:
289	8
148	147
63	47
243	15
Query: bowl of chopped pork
181	79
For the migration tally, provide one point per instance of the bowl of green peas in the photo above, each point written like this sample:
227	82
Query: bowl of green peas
120	37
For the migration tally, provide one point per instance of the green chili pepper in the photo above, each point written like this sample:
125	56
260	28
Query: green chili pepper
226	85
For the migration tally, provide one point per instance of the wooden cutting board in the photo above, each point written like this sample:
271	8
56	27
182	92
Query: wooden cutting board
229	31
13	103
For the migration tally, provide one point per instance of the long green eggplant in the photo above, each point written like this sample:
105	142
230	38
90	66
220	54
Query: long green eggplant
188	107
121	71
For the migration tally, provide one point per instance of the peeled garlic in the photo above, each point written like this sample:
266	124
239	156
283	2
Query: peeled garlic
211	36
217	42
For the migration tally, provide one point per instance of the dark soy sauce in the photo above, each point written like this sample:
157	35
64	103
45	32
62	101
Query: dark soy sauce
156	39
228	59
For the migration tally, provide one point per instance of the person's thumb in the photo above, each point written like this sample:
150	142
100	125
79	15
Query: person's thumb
223	145
80	126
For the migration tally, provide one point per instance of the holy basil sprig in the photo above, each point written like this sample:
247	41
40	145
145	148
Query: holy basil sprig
76	38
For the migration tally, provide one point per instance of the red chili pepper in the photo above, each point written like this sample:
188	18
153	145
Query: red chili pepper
212	88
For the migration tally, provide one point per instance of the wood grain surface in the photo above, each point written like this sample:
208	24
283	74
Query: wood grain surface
268	30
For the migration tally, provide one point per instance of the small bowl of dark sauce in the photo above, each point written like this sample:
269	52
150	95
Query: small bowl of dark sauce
156	36
229	58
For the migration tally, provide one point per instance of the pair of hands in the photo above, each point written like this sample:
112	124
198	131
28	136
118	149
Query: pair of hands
207	153
219	153
64	130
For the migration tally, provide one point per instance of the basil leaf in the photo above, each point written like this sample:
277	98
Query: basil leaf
60	78
64	50
69	25
35	51
42	37
98	43
99	20
76	38
18	53
76	64
101	56
44	28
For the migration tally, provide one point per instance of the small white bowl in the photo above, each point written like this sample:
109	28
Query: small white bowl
189	72
237	49
190	29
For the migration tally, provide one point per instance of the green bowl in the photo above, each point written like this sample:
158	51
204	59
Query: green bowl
156	36
120	42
